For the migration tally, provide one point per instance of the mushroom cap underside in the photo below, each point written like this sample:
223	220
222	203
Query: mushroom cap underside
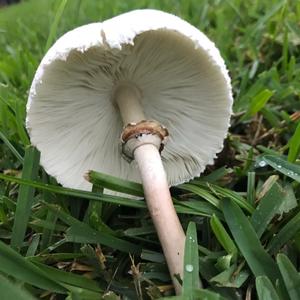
74	122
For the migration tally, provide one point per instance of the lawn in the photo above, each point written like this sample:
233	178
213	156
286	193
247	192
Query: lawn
61	243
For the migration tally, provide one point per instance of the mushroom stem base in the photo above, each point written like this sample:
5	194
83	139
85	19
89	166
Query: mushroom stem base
162	211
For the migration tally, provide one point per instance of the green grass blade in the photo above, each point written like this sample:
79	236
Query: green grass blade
69	278
286	233
54	26
54	246
14	151
294	145
152	256
77	293
203	294
226	193
20	124
94	211
115	184
258	102
290	276
289	169
8	104
214	175
271	12
80	232
231	276
267	151
75	193
48	232
93	217
191	279
33	246
259	261
267	208
251	188
207	295
223	237
270	117
265	289
200	192
202	208
185	209
10	290
91	196
139	231
55	257
25	197
15	265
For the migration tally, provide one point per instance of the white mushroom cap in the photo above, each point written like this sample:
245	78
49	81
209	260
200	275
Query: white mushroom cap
73	121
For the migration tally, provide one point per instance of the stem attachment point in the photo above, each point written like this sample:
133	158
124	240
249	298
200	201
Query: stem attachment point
144	132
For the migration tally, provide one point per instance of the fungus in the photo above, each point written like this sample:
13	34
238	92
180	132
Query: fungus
149	76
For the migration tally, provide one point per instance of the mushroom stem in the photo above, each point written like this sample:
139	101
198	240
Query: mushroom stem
128	98
155	184
162	211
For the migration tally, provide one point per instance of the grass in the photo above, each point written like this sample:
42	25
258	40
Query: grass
243	213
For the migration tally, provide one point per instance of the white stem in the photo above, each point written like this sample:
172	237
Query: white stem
161	209
157	194
128	99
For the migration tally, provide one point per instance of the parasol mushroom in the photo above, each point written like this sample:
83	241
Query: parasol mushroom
153	74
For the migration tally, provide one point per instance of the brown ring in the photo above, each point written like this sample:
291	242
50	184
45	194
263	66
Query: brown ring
143	127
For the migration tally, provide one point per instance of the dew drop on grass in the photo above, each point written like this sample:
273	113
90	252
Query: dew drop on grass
262	164
191	239
291	173
189	268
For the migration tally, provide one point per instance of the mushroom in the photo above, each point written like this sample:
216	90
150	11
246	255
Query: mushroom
153	74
